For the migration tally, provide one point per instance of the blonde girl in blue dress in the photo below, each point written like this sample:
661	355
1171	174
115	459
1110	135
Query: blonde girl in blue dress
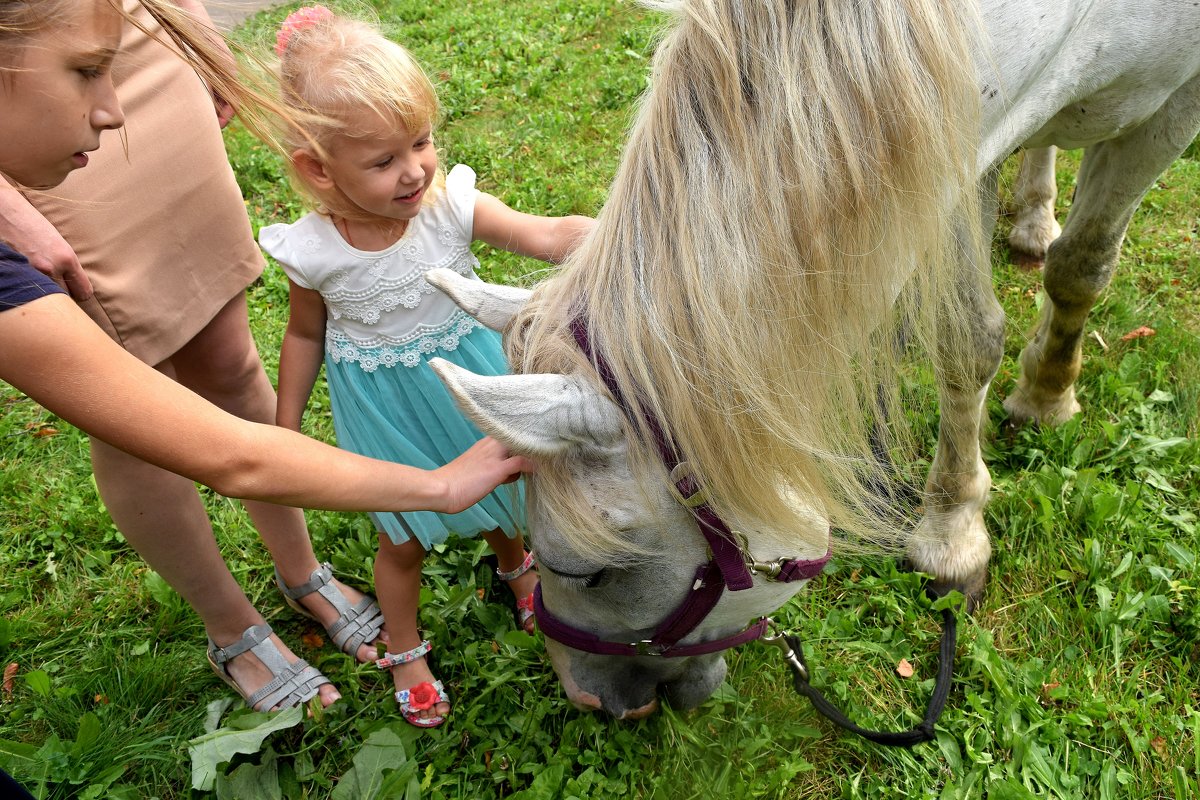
384	215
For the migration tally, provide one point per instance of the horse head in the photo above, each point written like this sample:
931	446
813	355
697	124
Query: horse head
621	598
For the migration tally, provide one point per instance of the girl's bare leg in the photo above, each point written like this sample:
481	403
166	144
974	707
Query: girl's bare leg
222	365
510	553
398	589
164	519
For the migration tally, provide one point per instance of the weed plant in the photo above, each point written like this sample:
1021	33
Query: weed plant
1077	678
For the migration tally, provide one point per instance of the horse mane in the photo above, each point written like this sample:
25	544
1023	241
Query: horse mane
795	185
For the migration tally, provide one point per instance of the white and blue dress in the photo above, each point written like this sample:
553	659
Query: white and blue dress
384	322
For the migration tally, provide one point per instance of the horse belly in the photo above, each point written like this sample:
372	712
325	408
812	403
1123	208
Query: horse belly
1104	115
1089	71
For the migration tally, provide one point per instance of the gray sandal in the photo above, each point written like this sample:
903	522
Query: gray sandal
356	624
291	683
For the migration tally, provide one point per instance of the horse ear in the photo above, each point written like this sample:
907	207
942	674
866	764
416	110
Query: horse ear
534	415
489	303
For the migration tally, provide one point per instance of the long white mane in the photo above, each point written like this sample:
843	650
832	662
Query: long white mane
795	167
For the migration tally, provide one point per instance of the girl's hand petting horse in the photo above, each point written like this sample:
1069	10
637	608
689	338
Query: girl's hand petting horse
474	474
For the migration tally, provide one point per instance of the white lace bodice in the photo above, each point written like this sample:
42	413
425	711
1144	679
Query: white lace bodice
380	309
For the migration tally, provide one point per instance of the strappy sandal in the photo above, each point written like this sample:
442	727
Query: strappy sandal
524	610
291	683
356	624
417	698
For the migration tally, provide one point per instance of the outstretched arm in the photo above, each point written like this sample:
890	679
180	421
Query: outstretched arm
54	353
546	238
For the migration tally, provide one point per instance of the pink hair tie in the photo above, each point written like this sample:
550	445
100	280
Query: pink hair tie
298	20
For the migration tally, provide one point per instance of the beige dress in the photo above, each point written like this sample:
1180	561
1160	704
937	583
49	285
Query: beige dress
161	232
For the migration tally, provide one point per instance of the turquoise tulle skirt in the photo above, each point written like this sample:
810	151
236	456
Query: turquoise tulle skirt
404	414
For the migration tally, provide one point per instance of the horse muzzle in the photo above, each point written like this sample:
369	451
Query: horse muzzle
629	688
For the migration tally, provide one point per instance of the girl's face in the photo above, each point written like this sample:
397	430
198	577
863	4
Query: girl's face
384	169
58	97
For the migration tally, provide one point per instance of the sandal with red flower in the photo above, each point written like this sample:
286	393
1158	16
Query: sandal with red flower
524	611
423	696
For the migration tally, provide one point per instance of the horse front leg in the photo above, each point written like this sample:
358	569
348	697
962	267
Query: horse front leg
1113	178
1034	193
951	542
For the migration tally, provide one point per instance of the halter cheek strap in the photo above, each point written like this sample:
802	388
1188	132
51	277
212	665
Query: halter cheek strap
730	566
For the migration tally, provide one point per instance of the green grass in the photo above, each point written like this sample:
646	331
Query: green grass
1077	678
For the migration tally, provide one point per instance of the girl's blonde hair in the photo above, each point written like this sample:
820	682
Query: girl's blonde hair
196	42
331	67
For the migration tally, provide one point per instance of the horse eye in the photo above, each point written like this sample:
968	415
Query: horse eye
581	582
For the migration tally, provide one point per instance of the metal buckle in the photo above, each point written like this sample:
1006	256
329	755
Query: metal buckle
769	568
647	647
789	655
683	470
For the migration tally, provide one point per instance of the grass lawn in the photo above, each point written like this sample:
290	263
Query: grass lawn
1077	678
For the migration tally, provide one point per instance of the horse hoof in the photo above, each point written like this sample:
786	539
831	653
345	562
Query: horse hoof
971	588
1028	262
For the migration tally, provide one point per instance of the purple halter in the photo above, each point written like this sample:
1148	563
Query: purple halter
729	567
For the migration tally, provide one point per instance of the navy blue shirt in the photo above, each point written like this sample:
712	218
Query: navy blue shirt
19	282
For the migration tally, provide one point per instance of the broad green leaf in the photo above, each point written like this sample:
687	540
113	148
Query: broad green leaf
1183	557
39	681
102	787
89	732
13	752
520	639
1008	789
210	751
252	781
213	712
381	767
546	785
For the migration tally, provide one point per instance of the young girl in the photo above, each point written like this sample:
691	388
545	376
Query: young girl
385	215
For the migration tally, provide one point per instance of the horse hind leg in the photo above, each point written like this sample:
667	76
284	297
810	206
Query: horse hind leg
1113	178
952	542
1034	193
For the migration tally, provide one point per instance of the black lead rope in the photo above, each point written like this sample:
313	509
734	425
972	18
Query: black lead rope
794	654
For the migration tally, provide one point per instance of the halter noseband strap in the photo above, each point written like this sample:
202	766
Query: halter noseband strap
729	566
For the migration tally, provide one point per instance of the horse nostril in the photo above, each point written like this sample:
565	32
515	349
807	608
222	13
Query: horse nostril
585	702
640	713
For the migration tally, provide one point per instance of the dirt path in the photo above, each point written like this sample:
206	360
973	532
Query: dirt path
228	13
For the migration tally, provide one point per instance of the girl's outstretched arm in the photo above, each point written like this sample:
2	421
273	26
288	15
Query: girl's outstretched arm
300	355
546	238
53	352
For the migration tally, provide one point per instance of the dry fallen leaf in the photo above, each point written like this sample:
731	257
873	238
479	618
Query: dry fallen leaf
1137	333
904	669
312	639
1160	746
41	429
10	672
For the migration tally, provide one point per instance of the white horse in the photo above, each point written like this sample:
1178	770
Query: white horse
795	174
